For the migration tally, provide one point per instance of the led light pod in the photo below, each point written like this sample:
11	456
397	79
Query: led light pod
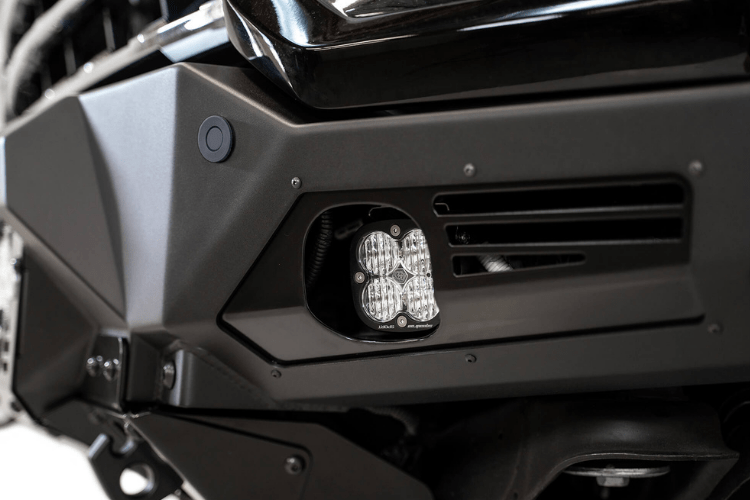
392	279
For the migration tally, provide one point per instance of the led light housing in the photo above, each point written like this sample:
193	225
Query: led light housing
392	278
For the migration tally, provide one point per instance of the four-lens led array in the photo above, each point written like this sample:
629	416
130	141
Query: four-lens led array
399	277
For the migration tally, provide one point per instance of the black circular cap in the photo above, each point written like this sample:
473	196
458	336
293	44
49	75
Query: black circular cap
215	139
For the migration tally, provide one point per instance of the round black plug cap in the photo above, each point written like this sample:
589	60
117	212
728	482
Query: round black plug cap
215	139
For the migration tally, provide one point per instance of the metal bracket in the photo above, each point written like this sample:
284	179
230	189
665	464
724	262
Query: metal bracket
109	464
106	372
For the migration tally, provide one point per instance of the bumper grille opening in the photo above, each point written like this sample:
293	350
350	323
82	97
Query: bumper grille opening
562	199
642	230
466	265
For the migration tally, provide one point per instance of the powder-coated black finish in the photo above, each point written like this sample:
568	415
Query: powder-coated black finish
142	232
109	463
250	456
55	338
648	275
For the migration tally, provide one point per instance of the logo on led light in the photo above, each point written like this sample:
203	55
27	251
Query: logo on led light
400	276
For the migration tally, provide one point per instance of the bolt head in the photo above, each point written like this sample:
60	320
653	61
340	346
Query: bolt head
470	358
168	374
463	238
94	366
470	170
275	373
296	182
401	321
359	277
695	168
110	369
395	230
715	328
294	466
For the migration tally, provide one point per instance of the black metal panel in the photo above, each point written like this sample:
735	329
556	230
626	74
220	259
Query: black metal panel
250	455
106	374
110	461
191	229
81	233
409	51
54	340
651	278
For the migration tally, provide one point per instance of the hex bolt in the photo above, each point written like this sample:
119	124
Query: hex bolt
395	230
296	182
715	329
110	369
470	358
470	170
294	465
359	277
168	374
401	321
94	366
275	373
695	168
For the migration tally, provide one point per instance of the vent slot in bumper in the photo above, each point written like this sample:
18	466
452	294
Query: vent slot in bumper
464	265
641	230
641	196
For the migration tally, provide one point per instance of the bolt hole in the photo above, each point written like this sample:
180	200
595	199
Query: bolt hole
137	480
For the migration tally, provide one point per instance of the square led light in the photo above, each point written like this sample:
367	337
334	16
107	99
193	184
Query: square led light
392	277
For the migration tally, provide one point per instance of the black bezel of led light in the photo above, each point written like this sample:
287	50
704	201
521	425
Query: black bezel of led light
413	327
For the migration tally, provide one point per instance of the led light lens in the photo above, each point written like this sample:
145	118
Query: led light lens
379	254
419	298
381	299
398	277
416	254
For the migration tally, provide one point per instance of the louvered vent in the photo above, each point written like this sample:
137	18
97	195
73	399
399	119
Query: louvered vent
562	225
